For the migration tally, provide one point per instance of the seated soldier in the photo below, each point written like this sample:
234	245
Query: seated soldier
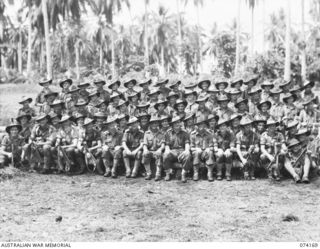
112	109
161	108
49	99
247	142
99	119
58	107
111	147
180	107
224	147
132	144
273	149
94	98
24	120
40	144
172	99
202	148
144	93
202	110
71	100
165	123
40	99
297	163
235	123
264	107
177	150
142	107
65	85
81	107
189	123
212	122
11	146
122	121
153	147
26	109
144	121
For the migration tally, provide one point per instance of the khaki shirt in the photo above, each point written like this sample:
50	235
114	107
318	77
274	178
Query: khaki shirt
133	139
177	140
201	140
153	140
112	140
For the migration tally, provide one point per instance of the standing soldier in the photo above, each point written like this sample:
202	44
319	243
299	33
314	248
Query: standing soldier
55	120
175	88
71	100
247	142
102	106
11	145
202	110
201	145
224	147
99	118
259	124
26	109
103	94
273	149
65	85
177	149
204	84
277	108
266	89
129	84
153	146
191	97
111	147
223	110
40	99
164	91
144	94
49	98
310	117
83	93
290	110
254	95
132	144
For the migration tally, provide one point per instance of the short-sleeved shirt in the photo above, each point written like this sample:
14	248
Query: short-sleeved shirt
153	140
43	134
104	94
40	99
112	140
269	141
191	108
201	140
245	141
224	113
224	141
8	142
133	139
92	136
70	136
177	140
30	111
291	112
277	111
25	133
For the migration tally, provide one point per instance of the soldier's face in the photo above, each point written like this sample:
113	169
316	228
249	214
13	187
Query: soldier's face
112	126
308	89
57	108
99	85
212	123
310	106
267	89
272	128
293	130
264	107
224	104
172	100
190	97
302	138
134	99
234	97
202	103
144	121
190	122
25	104
14	131
123	122
237	86
296	148
116	100
180	108
51	98
46	85
176	126
153	97
154	126
221	87
165	123
247	127
122	108
250	84
55	121
89	127
223	128
205	86
100	121
242	107
114	87
65	85
23	121
290	100
236	122
201	126
135	126
66	124
103	106
130	85
276	97
260	126
43	122
256	96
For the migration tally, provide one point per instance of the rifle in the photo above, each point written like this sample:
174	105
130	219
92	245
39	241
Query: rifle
299	157
89	159
66	158
276	157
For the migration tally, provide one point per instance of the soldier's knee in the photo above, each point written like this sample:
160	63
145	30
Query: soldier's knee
118	154
125	154
139	155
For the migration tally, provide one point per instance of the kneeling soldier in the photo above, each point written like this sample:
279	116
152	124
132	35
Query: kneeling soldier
153	146
224	147
177	149
132	144
202	148
111	147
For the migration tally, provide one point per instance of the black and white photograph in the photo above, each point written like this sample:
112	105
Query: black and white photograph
159	121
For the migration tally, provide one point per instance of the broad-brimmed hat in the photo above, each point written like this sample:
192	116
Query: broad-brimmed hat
252	77
133	120
42	116
239	101
172	94
88	121
222	98
291	124
99	115
22	115
190	92
174	83
114	95
275	90
246	121
213	89
289	95
221	83
14	123
81	102
97	82
122	116
162	82
57	102
267	84
133	81
309	100
134	94
259	119
234	91
189	116
165	117
54	115
73	89
200	120
69	81
204	80
235	116
154	91
202	99
93	93
308	83
83	85
284	83
65	118
111	119
223	121
51	93
143	104
100	102
122	102
45	81
212	116
272	121
159	102
114	82
295	89
236	81
264	101
293	142
191	85
180	101
143	114
175	119
254	90
154	119
25	99
77	116
303	131
145	82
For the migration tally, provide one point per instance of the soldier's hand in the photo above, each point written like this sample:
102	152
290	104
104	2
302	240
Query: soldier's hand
271	158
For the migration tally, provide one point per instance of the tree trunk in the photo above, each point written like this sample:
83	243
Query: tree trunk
146	45
180	39
303	47
29	42
252	33
113	56
20	51
162	62
236	70
287	69
263	25
199	37
47	37
77	60
101	52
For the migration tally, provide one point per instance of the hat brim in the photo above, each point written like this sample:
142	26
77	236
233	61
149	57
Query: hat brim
271	86
99	82
42	118
130	81
307	133
221	83
51	94
236	82
285	99
45	82
226	122
163	103
9	127
266	102
85	85
204	81
114	83
28	116
183	103
26	100
245	101
126	117
69	81
292	145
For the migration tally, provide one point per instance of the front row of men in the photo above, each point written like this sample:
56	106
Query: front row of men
108	150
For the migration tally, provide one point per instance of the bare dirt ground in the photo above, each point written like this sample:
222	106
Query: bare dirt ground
94	208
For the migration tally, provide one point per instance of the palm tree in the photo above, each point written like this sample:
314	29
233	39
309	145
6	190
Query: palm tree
146	43
303	45
252	4
287	69
47	38
179	37
198	4
236	70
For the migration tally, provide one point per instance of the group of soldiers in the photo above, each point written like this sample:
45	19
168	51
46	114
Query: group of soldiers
168	127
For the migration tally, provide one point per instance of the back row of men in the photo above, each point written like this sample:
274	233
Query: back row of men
218	127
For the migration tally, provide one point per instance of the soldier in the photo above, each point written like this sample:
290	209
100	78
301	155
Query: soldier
49	98
235	119
296	90
129	84
189	123
144	94
202	110
83	93
259	124
242	106
102	106
290	110
40	144
164	91
247	142
223	111
65	85
165	123
79	120
67	142
277	108
122	120
308	93
81	107
201	145
310	117
224	147
99	118
114	86
180	107
103	94
266	87
212	101
221	86
93	98
153	95
133	102
172	99
26	109
161	108
285	87
71	100
250	82
11	145
254	95
237	84
175	88
234	94
58	107
55	120
177	149
292	129
212	122
297	163
111	147
153	146
204	84
113	105
132	144
264	107
191	86
24	120
273	149
40	99
142	107
191	97
144	121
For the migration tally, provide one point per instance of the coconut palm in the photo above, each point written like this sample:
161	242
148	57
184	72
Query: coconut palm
236	70
252	4
303	44
287	66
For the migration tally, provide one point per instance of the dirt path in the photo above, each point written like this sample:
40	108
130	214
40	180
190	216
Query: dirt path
94	208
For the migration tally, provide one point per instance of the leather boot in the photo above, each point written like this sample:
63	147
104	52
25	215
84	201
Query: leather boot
158	174
219	171
135	169
252	177
210	173
167	178
127	166
196	172
183	176
114	168
228	171
148	171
